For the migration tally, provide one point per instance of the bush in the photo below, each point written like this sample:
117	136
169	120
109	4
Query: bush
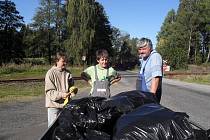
14	68
35	61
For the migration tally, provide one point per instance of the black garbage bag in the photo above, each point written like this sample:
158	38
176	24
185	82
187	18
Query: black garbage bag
153	122
97	135
122	103
130	115
94	117
127	101
76	117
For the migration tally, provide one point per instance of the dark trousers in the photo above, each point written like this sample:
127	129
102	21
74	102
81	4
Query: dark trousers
157	94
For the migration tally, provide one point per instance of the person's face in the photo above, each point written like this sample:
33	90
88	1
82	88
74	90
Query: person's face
144	52
61	63
103	62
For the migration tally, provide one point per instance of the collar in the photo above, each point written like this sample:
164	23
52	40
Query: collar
99	67
57	68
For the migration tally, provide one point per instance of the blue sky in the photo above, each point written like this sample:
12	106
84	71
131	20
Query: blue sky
139	18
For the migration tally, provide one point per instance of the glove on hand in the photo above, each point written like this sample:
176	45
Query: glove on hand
73	91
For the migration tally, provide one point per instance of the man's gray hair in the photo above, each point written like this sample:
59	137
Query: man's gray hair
143	42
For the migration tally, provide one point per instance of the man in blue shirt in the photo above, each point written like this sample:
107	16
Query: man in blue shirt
151	72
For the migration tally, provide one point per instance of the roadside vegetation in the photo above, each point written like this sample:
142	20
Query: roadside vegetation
23	91
28	90
13	71
199	79
199	74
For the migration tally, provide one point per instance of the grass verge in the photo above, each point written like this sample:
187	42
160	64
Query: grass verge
28	71
24	91
199	79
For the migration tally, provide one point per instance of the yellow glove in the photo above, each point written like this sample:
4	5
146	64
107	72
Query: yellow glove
66	101
73	90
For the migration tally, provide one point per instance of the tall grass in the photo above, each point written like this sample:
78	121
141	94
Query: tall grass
13	71
200	79
24	91
16	91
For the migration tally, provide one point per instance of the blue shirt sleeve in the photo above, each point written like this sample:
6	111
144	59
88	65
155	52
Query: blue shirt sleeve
156	65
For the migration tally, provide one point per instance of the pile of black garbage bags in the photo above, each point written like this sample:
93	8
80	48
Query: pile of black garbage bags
130	115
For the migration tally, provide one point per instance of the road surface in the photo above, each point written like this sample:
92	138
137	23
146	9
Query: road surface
28	120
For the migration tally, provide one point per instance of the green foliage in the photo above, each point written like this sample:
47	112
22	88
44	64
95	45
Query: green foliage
47	32
176	57
13	71
126	55
9	16
11	40
34	42
80	23
35	61
182	32
200	79
103	32
88	30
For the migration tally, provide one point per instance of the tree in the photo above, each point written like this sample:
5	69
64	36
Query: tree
124	48
43	21
11	42
49	26
103	32
33	42
170	42
185	34
80	24
188	19
60	22
204	28
88	30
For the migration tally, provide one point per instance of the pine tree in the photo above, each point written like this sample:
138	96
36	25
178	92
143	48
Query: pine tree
204	28
11	43
168	46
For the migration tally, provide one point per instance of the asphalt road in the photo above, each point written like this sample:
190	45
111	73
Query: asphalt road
194	99
28	120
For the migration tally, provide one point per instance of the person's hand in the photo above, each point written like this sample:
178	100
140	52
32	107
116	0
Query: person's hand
66	95
116	79
73	91
90	82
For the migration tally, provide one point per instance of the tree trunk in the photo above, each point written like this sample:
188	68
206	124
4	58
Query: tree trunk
189	46
49	43
207	60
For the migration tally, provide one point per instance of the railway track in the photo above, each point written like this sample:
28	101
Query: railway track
167	74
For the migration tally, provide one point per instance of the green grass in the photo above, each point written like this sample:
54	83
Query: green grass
21	91
15	91
27	71
200	79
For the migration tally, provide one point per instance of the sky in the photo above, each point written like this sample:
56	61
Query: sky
139	18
